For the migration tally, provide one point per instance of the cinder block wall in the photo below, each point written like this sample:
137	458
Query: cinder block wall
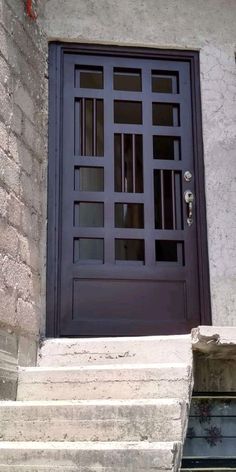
23	153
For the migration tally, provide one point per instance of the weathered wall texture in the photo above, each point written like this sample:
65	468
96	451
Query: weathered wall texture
23	128
205	25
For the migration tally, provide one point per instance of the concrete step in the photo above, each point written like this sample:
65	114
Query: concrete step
100	420
87	457
147	349
119	381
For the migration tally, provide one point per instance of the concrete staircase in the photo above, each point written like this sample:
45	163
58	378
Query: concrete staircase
100	405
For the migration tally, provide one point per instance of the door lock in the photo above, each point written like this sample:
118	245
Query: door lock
188	176
189	199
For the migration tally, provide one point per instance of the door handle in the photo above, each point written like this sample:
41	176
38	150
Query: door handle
189	199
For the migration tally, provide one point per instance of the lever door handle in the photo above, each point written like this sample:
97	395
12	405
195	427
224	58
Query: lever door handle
189	199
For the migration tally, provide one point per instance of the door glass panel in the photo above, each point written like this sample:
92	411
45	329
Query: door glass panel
89	77
89	214
88	249
129	215
129	250
89	127
128	112
167	199
128	151
165	114
166	147
127	79
89	179
165	82
169	251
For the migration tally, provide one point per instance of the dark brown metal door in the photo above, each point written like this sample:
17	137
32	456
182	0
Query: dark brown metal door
128	249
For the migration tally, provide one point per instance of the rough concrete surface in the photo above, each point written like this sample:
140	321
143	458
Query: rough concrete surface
87	456
115	381
93	420
127	403
215	341
121	350
14	350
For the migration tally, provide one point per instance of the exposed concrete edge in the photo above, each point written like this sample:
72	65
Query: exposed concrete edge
215	341
15	350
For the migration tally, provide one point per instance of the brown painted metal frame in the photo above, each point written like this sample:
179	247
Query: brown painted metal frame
56	51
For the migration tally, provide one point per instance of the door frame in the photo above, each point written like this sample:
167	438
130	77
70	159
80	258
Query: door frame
56	52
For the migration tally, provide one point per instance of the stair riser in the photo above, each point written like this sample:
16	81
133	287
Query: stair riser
92	423
148	350
64	468
80	385
124	460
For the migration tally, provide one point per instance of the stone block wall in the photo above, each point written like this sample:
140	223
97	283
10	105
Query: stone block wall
23	151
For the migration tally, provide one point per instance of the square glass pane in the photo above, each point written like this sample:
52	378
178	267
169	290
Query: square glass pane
88	214
165	82
129	250
166	147
128	112
127	79
169	251
165	114
89	179
88	249
129	215
89	77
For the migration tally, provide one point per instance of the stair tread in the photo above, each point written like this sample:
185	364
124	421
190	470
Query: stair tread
74	368
106	445
111	402
168	337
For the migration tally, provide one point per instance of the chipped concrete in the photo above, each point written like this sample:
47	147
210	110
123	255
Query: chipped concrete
121	350
218	342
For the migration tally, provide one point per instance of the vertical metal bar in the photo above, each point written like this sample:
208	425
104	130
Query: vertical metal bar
83	147
77	128
122	163
162	201
109	240
173	198
133	161
175	111
180	253
178	201
94	127
148	165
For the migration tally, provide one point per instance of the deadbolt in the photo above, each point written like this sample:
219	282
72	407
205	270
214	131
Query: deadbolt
188	176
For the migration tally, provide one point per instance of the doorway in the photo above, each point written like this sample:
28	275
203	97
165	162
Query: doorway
127	246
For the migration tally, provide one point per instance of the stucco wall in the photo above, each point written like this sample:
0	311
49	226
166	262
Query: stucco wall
23	158
205	25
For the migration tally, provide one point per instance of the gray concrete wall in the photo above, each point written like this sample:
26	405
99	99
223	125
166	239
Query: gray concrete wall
210	27
23	158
